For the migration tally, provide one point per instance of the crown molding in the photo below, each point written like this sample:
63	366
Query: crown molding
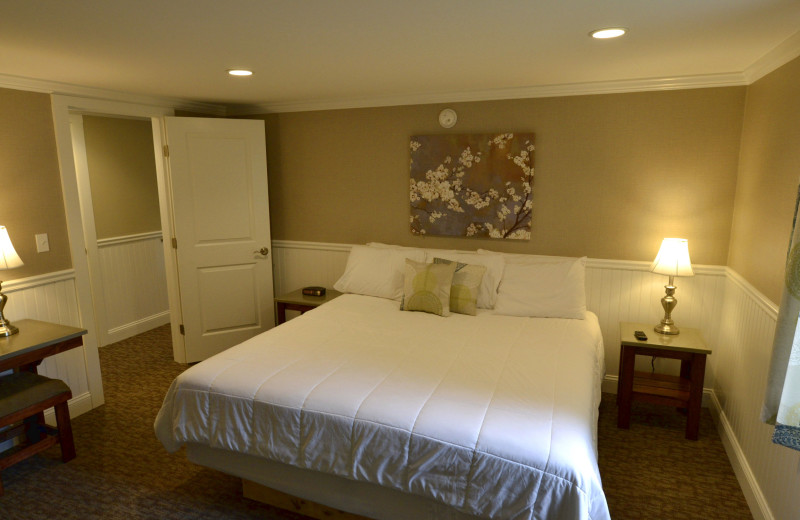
54	87
788	50
571	89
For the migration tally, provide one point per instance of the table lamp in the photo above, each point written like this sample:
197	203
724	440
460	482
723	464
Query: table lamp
9	259
673	260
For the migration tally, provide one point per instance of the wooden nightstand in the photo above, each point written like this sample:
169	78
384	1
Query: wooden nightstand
684	391
297	301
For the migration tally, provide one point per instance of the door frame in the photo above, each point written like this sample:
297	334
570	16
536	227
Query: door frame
62	107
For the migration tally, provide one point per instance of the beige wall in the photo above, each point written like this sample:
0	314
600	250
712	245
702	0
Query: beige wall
614	173
30	183
769	171
122	173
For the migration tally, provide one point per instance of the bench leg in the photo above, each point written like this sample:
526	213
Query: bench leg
65	432
34	427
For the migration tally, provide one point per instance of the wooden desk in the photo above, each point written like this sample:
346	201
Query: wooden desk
684	391
35	341
297	301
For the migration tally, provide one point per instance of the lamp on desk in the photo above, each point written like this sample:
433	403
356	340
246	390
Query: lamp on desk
9	259
672	260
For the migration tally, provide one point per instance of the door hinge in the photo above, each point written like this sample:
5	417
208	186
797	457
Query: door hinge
166	150
183	331
174	243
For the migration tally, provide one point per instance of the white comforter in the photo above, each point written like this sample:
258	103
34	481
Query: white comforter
493	415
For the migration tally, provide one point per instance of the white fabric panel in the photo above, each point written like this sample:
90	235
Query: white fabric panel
492	415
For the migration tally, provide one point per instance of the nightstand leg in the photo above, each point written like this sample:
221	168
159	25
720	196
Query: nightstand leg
698	367
625	387
280	307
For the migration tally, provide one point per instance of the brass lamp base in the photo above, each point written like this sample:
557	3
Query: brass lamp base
6	328
667	326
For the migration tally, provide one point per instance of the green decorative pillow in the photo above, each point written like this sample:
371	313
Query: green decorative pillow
426	287
464	291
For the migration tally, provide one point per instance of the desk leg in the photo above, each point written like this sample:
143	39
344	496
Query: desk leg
625	386
281	309
698	369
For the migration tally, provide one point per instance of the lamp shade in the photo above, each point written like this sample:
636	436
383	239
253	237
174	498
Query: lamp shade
9	259
673	258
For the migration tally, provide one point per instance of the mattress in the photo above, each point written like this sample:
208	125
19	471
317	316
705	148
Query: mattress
494	416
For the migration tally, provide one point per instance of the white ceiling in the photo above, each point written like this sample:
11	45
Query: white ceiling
318	53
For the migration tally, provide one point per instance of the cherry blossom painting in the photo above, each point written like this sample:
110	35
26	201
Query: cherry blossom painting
476	185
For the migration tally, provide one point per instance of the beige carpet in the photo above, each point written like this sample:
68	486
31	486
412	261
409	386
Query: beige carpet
122	472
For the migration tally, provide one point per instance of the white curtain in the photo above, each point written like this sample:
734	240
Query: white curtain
782	402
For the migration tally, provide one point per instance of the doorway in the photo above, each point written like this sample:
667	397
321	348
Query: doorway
118	189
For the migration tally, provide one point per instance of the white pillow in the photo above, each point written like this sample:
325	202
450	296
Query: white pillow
495	263
381	245
542	289
522	258
374	271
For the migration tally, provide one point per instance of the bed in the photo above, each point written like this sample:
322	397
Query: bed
391	414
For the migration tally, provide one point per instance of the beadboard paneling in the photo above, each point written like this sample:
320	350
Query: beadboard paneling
300	264
615	291
134	285
770	474
52	298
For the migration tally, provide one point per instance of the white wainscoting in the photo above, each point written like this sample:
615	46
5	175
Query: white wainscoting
134	285
769	474
52	297
736	320
616	291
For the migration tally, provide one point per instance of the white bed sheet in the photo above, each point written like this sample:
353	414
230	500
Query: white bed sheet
492	415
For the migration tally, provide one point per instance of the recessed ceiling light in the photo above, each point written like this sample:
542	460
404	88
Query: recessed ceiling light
611	32
240	72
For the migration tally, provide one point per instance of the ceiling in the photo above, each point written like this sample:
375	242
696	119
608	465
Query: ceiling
340	53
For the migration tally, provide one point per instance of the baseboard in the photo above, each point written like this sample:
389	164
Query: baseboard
78	405
137	327
747	480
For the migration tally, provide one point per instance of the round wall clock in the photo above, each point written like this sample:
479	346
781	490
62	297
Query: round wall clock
448	118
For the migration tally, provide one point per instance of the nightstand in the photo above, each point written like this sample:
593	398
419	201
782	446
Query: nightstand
297	301
684	391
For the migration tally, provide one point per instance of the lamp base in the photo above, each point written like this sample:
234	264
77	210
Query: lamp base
667	328
7	329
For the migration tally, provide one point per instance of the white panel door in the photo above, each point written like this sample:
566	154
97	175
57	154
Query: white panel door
218	172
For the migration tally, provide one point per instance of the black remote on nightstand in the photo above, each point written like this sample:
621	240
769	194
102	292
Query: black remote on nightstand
640	335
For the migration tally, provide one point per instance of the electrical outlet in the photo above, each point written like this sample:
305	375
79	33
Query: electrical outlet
42	243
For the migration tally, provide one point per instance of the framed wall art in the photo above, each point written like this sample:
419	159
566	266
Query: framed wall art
474	185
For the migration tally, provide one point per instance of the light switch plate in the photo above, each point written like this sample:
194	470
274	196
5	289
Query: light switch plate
42	243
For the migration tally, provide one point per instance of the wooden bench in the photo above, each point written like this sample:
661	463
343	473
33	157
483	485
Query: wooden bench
24	396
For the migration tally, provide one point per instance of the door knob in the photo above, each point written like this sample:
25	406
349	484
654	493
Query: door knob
264	251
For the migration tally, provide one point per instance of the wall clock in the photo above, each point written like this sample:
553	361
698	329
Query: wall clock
448	118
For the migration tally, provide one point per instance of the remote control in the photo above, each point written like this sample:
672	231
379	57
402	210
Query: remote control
640	335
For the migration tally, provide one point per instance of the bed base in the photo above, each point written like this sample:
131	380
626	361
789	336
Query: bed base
351	500
272	497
